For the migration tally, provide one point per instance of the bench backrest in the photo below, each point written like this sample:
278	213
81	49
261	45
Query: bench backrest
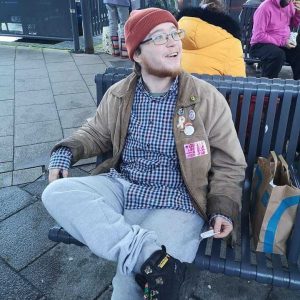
246	24
266	116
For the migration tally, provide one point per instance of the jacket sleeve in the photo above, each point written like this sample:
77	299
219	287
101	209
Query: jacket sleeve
228	164
93	138
261	21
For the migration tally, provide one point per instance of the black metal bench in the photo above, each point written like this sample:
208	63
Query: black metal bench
275	126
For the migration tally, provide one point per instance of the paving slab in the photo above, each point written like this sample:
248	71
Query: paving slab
69	101
35	113
24	236
207	285
29	64
32	84
14	286
86	161
6	80
7	70
36	133
75	117
51	55
89	79
58	66
7	123
27	175
27	52
87	59
34	97
6	166
69	87
12	199
88	168
32	155
36	188
9	61
92	89
65	76
70	272
278	293
5	179
7	108
92	69
31	74
106	295
7	92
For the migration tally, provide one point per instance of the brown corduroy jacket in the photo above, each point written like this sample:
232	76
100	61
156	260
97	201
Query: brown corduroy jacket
213	176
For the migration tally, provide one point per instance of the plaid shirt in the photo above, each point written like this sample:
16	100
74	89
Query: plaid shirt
149	159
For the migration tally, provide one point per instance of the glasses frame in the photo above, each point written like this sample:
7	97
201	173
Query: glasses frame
179	31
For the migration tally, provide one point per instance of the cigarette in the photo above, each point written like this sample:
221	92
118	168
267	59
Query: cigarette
207	234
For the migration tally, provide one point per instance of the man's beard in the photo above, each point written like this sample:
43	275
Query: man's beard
161	72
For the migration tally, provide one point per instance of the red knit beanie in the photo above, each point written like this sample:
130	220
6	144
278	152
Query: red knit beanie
141	22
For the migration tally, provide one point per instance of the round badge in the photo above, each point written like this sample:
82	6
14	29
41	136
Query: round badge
189	130
192	115
180	112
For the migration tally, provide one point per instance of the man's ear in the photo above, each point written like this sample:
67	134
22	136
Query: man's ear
136	56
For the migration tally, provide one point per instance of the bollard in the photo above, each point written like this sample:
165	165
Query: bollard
74	25
87	26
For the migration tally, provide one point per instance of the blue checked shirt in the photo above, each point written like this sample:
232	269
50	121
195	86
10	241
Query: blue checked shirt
149	159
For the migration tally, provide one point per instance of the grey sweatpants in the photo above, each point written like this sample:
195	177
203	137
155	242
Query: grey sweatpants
92	210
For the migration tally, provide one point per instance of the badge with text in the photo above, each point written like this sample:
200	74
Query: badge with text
195	149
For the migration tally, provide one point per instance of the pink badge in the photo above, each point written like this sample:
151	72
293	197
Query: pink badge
195	149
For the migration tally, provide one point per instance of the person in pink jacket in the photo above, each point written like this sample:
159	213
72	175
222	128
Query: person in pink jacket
272	40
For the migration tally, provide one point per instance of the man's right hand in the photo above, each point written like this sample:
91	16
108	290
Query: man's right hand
290	45
54	174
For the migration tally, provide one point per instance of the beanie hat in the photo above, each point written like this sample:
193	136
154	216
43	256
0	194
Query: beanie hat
141	22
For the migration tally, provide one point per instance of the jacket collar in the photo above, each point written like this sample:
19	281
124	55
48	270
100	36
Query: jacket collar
187	95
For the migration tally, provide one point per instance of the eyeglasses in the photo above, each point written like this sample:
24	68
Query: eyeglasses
162	38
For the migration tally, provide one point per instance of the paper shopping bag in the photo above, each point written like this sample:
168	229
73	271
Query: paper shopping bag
276	202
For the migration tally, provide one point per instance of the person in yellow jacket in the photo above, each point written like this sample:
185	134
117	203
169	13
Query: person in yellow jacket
212	40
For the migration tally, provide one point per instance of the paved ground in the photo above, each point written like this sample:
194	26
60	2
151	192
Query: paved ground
44	95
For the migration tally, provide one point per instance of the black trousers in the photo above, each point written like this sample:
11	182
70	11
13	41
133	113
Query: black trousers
273	57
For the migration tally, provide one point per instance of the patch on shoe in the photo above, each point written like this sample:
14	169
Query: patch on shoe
195	149
164	261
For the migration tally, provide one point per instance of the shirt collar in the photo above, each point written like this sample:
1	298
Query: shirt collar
142	89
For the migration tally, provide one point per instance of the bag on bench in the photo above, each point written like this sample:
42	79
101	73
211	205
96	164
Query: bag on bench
276	202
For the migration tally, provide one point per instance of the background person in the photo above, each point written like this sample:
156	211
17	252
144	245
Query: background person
176	163
118	10
270	41
212	40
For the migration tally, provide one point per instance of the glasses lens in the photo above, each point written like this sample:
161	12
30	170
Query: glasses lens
177	35
159	39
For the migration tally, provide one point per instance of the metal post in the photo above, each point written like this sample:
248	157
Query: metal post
74	24
87	26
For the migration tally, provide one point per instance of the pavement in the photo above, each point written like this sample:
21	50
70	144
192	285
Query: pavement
45	94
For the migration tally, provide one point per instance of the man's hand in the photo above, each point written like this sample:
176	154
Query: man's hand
290	45
222	226
54	174
297	5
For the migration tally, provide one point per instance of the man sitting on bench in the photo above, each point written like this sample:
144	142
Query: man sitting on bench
272	41
176	163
